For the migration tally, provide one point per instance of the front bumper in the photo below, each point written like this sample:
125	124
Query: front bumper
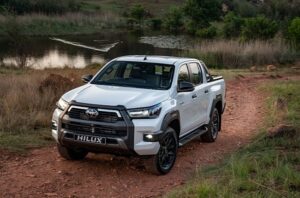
132	143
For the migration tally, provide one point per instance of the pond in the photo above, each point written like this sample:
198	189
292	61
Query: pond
80	51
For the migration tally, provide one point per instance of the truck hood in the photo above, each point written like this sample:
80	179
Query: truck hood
114	95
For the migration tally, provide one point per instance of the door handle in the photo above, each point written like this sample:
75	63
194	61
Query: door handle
206	91
194	96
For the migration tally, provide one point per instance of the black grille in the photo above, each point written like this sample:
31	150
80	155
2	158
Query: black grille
94	130
77	113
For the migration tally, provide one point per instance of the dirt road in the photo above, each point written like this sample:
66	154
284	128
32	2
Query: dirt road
43	173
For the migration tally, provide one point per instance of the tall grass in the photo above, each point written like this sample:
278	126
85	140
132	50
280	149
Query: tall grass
23	106
232	53
69	23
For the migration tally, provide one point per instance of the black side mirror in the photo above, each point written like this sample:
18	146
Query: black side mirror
184	86
87	78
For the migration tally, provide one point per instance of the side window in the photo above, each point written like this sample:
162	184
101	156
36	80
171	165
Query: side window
196	74
184	74
206	73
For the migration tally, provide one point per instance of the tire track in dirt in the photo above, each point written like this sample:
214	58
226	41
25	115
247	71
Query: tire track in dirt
43	173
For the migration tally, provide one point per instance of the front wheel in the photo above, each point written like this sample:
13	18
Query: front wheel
71	154
213	128
164	160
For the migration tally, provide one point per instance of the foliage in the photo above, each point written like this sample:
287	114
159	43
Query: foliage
244	8
294	31
137	12
259	28
207	33
40	6
201	12
232	25
155	23
281	9
173	19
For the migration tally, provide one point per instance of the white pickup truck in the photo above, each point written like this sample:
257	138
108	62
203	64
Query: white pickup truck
140	105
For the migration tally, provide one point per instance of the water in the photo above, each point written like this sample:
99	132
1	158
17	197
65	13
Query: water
82	50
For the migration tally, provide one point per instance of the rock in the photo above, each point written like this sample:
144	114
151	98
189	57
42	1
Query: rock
271	68
253	68
55	82
281	130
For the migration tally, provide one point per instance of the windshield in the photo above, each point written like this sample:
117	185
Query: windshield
136	74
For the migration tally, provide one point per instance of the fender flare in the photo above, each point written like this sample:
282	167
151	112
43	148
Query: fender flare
170	117
214	103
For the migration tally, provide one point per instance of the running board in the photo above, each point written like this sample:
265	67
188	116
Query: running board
192	135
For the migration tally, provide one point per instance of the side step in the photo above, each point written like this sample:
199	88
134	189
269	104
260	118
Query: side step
192	135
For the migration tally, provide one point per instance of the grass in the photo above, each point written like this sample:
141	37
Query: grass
225	53
26	105
21	142
269	167
71	23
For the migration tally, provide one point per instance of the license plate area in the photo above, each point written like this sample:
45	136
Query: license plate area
90	139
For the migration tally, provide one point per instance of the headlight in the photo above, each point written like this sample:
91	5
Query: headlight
62	104
147	112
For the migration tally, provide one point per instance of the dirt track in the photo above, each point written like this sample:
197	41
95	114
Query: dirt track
43	173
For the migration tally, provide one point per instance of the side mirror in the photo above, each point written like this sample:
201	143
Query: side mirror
184	86
87	78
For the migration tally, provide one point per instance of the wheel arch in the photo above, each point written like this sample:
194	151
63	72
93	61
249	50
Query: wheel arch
217	103
172	119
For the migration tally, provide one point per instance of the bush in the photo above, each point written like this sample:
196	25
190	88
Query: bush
232	25
294	31
137	12
173	20
201	12
259	28
208	33
155	23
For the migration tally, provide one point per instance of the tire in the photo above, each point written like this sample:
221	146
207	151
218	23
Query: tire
71	154
164	160
213	128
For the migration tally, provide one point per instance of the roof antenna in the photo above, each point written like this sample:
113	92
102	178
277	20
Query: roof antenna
145	58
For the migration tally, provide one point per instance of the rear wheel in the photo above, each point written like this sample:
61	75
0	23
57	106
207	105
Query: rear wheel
213	128
164	160
71	154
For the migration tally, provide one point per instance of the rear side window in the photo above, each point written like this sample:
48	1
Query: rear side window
196	74
184	74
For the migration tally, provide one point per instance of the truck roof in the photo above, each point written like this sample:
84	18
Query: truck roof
169	60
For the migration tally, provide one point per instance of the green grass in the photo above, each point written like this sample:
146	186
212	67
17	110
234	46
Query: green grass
266	168
21	142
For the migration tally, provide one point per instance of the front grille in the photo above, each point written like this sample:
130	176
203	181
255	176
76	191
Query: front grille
94	130
78	113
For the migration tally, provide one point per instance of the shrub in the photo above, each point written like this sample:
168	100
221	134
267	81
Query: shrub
259	28
137	12
208	33
232	25
294	31
155	23
201	12
173	20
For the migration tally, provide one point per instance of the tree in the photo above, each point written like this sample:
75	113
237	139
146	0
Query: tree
201	12
207	33
137	12
294	31
173	19
259	28
232	25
